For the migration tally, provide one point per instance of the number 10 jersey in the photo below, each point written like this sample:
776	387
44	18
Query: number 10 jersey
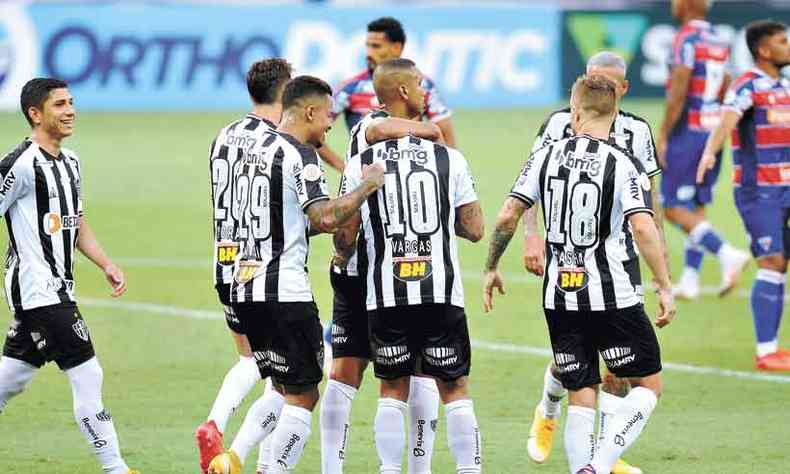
407	249
587	188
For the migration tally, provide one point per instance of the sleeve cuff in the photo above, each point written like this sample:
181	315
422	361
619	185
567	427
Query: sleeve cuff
314	200
529	202
638	210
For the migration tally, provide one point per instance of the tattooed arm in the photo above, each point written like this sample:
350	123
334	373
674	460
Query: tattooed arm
326	216
506	225
345	240
469	223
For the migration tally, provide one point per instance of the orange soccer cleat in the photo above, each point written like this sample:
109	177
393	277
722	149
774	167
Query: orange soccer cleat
774	362
210	444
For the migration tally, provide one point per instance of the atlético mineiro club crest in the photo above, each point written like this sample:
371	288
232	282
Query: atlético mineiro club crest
80	328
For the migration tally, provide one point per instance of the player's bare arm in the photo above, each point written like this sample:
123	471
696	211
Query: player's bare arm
506	225
326	216
89	246
392	127
729	120
676	99
649	243
658	218
534	247
345	240
331	158
447	130
469	223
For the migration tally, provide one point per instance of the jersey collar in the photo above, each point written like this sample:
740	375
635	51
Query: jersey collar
267	122
701	24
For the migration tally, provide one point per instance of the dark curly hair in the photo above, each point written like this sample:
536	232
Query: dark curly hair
266	78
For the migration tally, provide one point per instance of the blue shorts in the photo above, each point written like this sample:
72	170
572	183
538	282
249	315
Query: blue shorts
767	226
678	178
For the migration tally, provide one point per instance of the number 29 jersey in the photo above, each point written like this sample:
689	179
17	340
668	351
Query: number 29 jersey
587	189
407	249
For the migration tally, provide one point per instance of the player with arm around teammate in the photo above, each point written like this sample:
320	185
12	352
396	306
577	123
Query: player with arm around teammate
588	188
280	183
408	259
398	87
41	201
356	97
756	114
631	133
266	80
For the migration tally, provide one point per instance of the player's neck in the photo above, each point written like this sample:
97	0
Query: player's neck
270	112
398	110
693	16
290	126
596	128
46	142
768	68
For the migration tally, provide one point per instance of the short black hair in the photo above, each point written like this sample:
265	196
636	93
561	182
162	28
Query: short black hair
756	31
266	77
301	87
36	91
390	27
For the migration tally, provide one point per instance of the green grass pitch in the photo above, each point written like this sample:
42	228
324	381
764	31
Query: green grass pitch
146	185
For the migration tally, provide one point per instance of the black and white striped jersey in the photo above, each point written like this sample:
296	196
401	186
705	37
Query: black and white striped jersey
587	188
40	200
278	179
407	247
227	150
357	144
629	132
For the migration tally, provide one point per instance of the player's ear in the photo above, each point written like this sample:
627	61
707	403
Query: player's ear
35	115
626	86
309	112
403	92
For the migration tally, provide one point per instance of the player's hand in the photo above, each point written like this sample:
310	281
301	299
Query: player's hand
534	254
491	279
116	278
666	307
374	174
661	151
706	163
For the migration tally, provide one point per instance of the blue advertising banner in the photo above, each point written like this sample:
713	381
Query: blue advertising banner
143	56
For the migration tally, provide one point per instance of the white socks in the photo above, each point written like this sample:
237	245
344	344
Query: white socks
93	420
259	422
553	393
423	417
15	375
335	424
389	427
580	437
237	384
624	427
608	405
289	438
463	436
264	456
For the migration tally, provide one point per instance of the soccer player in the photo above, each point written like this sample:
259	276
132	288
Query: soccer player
355	97
279	183
399	90
631	133
408	258
265	82
41	199
698	79
757	115
590	190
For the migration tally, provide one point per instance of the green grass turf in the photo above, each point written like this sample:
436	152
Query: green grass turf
146	195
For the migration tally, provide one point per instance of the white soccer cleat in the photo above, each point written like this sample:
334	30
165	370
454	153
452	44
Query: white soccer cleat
687	288
731	268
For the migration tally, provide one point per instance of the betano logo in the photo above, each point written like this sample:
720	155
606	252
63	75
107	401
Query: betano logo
594	32
54	222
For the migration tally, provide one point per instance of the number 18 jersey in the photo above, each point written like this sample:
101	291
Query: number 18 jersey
407	248
587	189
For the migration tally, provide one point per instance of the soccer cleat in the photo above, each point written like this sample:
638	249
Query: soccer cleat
541	437
226	463
731	269
588	469
622	467
774	362
685	292
209	441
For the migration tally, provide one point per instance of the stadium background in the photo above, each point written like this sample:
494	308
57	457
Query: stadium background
153	83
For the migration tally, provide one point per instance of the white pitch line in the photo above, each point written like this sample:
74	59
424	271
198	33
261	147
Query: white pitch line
175	311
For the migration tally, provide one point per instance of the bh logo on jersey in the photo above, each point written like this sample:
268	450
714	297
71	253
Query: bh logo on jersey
226	253
54	223
572	279
412	268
